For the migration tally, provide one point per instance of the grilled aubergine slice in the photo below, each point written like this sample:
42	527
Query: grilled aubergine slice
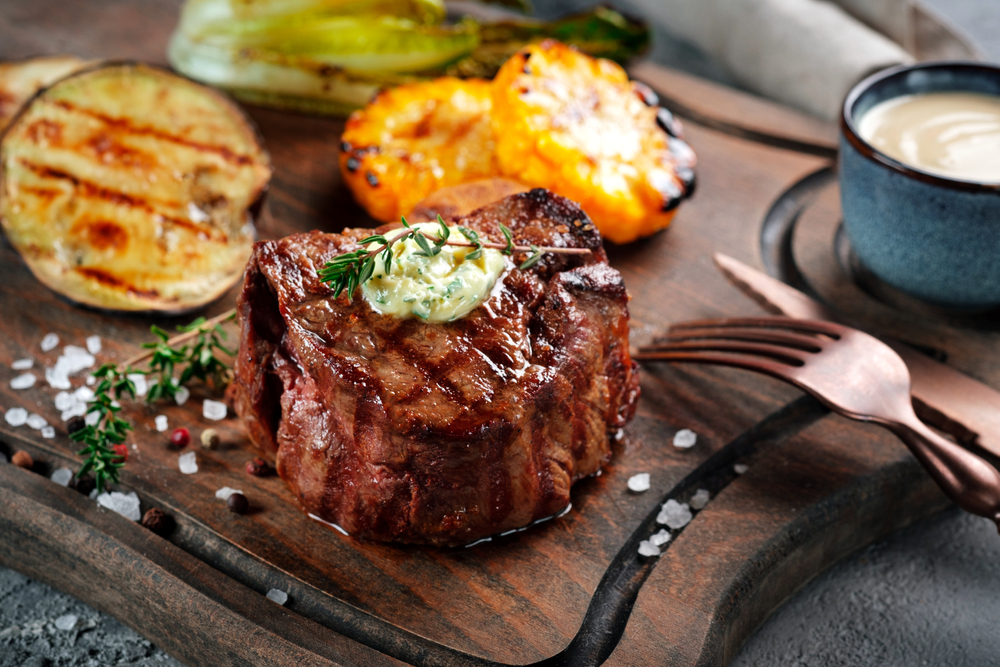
126	187
20	80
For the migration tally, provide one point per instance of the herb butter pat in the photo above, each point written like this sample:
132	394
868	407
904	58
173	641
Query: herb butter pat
441	288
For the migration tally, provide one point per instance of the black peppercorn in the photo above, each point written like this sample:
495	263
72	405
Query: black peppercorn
258	467
83	485
238	503
75	424
157	521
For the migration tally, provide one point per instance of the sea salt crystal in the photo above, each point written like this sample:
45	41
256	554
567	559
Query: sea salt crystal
139	380
274	595
94	344
225	492
91	380
66	622
62	476
740	468
161	423
48	432
49	342
16	416
58	377
639	483
685	439
182	395
92	418
83	394
197	215
64	400
23	381
187	463
76	359
77	409
699	499
22	364
125	504
213	410
674	514
37	422
660	538
648	549
93	495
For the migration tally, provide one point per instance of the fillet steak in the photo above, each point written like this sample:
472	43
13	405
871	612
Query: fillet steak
402	430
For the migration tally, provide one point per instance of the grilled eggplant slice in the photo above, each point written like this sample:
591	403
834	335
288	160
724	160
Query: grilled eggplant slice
20	80
126	187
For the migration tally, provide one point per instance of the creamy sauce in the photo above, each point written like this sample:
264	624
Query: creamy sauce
952	134
441	288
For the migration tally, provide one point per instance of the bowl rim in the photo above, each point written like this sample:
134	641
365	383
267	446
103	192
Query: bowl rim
849	129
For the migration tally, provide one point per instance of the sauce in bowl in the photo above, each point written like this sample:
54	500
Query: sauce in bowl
951	134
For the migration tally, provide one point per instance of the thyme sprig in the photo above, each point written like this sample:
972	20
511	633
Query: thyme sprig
199	360
350	270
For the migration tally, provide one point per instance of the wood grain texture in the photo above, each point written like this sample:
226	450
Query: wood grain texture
548	595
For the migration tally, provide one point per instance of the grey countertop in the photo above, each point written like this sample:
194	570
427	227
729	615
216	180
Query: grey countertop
928	595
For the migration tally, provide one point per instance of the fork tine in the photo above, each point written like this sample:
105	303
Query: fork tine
809	326
778	337
746	362
786	355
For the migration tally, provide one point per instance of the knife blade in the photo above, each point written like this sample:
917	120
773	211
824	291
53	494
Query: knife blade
943	397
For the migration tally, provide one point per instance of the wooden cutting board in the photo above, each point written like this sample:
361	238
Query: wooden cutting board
571	591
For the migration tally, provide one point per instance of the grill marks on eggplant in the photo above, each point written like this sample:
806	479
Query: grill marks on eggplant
438	433
127	187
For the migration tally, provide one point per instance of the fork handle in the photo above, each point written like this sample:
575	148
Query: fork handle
968	479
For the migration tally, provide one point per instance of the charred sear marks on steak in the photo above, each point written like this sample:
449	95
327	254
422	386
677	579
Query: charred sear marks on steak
438	433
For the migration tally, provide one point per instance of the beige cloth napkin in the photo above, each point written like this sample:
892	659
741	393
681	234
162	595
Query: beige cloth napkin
807	53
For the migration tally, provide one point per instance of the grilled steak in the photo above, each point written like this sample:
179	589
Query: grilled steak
401	430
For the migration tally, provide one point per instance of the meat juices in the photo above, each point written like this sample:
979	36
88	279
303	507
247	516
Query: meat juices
401	430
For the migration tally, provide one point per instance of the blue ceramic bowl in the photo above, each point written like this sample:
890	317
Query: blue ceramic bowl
933	237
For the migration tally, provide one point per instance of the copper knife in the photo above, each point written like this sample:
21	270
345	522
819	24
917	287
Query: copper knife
943	397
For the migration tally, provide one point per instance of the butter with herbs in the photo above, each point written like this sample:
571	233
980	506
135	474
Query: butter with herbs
442	288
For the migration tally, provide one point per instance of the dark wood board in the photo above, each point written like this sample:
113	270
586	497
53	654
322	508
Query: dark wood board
563	592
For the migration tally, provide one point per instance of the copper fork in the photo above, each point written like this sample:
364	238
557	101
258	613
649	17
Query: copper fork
852	373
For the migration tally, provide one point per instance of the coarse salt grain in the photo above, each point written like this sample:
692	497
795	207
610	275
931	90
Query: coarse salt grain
182	395
66	622
225	492
91	380
77	409
161	423
660	538
23	381
740	468
639	483
16	416
64	401
83	394
49	342
699	499
94	344
22	364
76	359
91	418
139	380
187	463
674	514
62	476
274	595
48	432
125	504
648	549
214	410
36	422
685	439
58	377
